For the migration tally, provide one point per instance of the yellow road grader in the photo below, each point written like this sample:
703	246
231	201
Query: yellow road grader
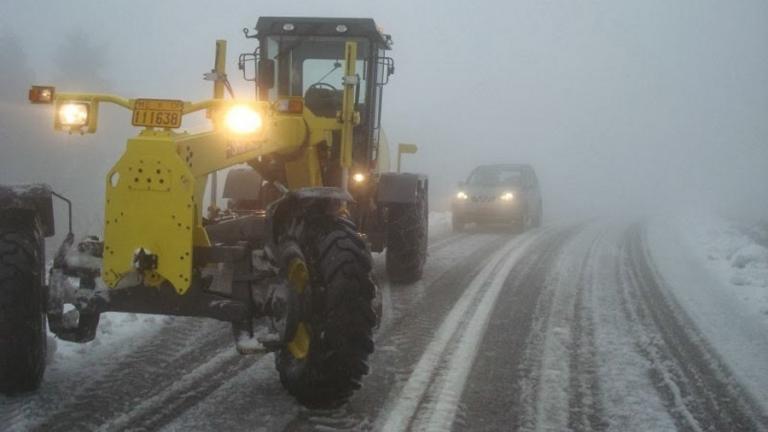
287	261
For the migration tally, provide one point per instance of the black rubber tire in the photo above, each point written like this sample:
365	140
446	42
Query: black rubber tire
22	321
341	320
406	242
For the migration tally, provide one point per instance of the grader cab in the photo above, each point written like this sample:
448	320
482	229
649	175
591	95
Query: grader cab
287	262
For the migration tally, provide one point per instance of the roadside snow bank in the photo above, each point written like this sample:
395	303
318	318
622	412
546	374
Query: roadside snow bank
719	276
734	257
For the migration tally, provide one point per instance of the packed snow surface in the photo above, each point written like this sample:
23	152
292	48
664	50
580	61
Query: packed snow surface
590	339
719	275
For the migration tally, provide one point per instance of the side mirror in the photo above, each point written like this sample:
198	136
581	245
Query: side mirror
387	68
266	73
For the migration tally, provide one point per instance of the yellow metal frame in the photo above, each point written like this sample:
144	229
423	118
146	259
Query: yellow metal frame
298	277
154	193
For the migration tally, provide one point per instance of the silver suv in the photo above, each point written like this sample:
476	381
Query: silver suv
499	194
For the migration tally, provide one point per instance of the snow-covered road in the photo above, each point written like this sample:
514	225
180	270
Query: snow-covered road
592	326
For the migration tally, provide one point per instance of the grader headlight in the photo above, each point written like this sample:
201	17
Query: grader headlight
243	120
358	178
73	115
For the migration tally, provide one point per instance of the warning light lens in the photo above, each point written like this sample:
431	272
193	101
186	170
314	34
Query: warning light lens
41	94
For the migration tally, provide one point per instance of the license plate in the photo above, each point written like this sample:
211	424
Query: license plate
162	113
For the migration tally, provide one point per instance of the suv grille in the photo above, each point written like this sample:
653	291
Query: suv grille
483	198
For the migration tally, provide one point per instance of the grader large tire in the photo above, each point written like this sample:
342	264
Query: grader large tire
22	322
406	242
324	362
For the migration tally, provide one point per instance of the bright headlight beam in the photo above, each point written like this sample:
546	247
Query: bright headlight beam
358	177
508	196
461	196
73	114
242	119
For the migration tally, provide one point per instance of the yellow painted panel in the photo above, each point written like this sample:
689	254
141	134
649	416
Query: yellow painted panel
150	205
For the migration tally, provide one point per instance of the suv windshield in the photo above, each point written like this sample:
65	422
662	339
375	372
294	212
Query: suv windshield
495	176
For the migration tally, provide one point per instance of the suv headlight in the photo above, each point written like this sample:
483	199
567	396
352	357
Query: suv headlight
461	196
507	196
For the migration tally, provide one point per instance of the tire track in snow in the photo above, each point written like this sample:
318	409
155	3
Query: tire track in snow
557	365
696	387
445	241
139	375
517	381
442	406
407	402
397	298
64	391
585	410
544	364
191	389
430	399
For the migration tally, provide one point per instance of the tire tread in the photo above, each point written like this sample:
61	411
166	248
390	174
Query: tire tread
22	325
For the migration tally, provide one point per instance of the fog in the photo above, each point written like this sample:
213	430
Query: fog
622	107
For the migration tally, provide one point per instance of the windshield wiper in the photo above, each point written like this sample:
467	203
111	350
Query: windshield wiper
336	65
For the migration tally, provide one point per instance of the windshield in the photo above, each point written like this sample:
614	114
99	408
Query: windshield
313	62
495	176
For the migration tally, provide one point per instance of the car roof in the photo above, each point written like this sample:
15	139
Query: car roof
518	167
